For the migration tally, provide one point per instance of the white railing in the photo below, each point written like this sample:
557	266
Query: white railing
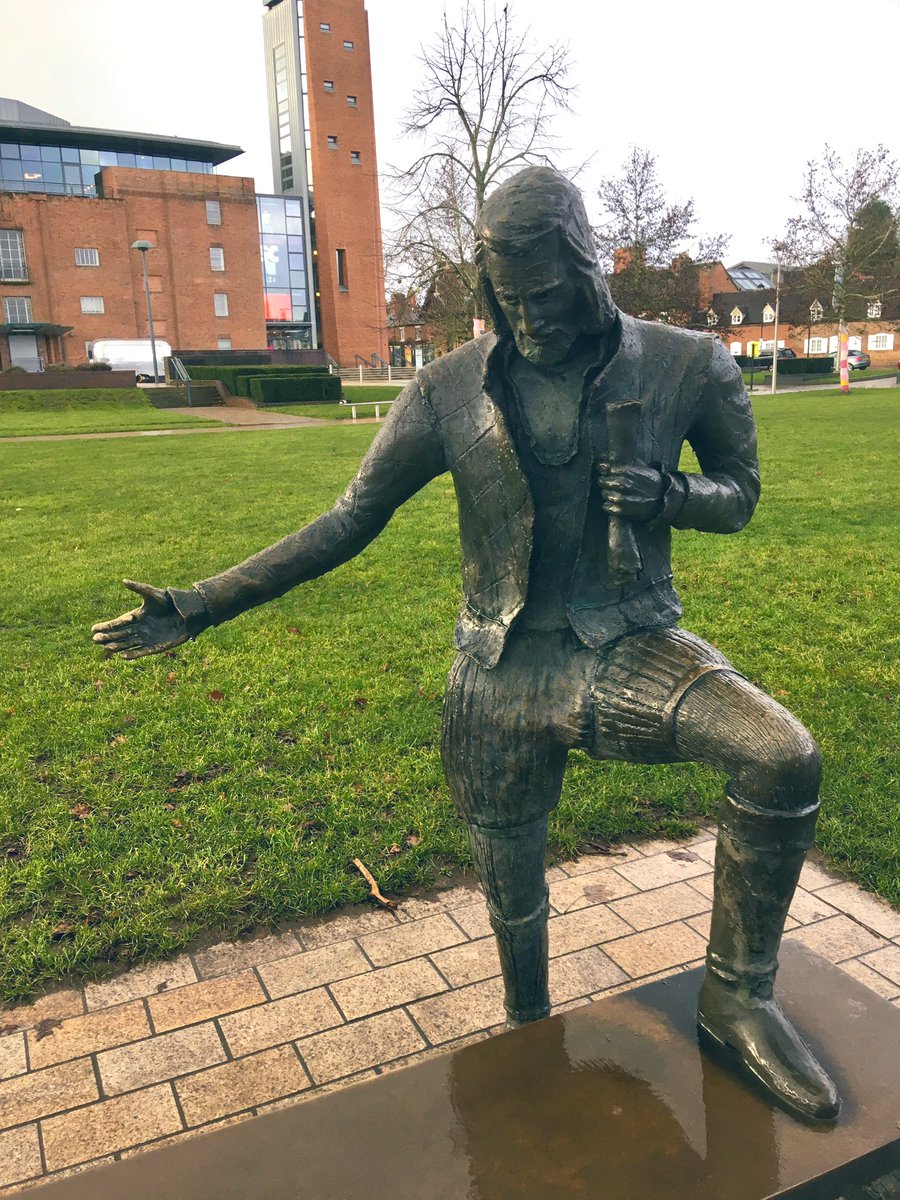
375	374
353	405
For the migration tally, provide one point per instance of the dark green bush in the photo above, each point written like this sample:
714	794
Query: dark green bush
91	366
301	389
805	366
232	376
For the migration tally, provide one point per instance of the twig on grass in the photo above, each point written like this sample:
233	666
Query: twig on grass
373	886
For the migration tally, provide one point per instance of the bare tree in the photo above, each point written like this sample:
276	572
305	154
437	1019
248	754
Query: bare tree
484	105
649	244
845	241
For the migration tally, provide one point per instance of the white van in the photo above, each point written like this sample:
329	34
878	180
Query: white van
131	354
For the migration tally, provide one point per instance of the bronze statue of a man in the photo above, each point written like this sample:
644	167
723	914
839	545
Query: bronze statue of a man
562	432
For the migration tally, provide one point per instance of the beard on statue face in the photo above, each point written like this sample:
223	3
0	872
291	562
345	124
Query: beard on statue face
540	298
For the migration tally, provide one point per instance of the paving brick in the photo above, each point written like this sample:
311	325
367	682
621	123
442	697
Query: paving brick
111	1126
85	1035
200	1001
869	910
836	938
705	848
174	1138
159	1058
468	963
670	903
704	884
586	864
701	924
408	941
55	1006
56	1175
886	962
312	968
816	875
388	987
670	866
871	978
631	984
241	1084
432	1052
587	927
414	908
40	1093
474	920
139	982
656	949
325	1088
228	957
20	1155
358	1046
461	1012
279	1021
12	1055
358	921
806	908
597	887
582	973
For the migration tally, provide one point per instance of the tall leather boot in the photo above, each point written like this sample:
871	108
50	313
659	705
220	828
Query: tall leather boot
510	863
759	854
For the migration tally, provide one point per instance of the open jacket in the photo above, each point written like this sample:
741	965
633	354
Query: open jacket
451	418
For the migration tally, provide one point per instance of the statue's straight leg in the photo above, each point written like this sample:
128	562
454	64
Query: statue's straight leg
504	766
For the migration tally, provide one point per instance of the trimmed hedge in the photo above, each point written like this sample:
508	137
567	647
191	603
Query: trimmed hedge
787	366
301	389
232	376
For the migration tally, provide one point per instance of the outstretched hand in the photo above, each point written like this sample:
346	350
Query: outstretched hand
154	627
634	492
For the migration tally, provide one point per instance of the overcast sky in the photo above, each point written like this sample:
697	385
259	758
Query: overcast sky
732	99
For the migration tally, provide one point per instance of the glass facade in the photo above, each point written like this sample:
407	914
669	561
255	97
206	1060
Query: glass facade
283	260
67	170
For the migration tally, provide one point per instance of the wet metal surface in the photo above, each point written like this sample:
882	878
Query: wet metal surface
612	1101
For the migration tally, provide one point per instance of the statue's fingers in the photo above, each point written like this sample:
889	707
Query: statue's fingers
119	647
146	590
114	625
140	652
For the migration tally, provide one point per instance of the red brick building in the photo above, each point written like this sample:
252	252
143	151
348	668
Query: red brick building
323	149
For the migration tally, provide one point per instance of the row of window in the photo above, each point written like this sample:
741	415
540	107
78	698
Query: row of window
816	313
352	101
355	155
68	170
822	345
13	266
325	27
18	310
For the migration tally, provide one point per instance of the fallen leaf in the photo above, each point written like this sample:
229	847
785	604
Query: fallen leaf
216	695
81	811
293	629
171	677
395	849
65	929
99	684
413	839
682	855
10	712
360	701
374	889
45	1027
119	740
169	805
176	822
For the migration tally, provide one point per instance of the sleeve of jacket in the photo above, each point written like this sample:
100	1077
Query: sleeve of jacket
405	455
723	436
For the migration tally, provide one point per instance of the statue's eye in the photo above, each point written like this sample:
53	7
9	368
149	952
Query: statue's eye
509	298
541	296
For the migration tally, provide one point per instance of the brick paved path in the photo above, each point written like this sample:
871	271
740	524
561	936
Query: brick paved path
225	1032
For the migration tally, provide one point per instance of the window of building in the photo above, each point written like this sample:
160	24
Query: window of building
355	157
348	45
92	304
332	141
17	309
818	346
328	84
881	341
223	343
325	26
341	256
816	311
12	255
220	304
87	256
854	343
216	258
711	316
213	212
874	309
737	317
734	348
768	314
351	100
833	344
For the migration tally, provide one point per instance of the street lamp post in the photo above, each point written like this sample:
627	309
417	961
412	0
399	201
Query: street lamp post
143	247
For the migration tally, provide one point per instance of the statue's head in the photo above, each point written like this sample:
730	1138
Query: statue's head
539	266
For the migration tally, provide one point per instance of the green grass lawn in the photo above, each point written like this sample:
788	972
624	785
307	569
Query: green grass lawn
365	394
91	410
233	781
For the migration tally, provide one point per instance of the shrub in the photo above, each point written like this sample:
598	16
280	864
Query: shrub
13	370
301	389
92	366
232	377
805	366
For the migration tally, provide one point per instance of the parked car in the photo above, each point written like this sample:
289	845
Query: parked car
764	361
858	360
